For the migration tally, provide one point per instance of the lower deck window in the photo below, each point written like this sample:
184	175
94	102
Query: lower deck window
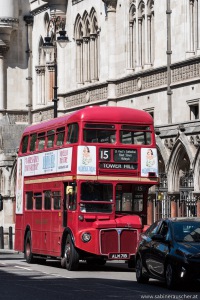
29	200
38	200
56	200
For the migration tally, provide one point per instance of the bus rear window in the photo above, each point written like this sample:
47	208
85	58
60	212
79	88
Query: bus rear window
135	136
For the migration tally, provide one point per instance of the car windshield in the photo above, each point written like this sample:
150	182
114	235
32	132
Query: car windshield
188	231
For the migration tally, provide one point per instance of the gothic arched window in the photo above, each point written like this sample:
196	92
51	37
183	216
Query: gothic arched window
87	51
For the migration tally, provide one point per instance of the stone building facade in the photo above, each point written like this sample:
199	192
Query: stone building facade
133	53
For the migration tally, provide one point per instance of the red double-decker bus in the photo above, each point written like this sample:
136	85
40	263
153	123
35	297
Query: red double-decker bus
82	185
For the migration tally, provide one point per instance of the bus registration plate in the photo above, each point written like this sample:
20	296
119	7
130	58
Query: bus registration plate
118	256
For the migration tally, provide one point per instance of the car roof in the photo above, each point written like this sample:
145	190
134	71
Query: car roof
182	219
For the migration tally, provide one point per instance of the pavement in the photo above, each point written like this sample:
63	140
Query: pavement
8	251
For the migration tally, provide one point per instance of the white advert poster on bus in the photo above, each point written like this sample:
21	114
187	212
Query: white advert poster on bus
86	163
149	161
48	162
19	186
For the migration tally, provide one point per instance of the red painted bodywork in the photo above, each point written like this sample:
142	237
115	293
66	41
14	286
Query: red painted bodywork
47	228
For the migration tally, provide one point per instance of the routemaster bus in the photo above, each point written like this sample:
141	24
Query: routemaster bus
82	185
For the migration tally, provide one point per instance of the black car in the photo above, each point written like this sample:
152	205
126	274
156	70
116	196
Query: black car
169	250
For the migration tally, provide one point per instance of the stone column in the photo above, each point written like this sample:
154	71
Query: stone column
111	32
197	197
173	202
150	209
198	207
189	28
79	58
86	68
3	50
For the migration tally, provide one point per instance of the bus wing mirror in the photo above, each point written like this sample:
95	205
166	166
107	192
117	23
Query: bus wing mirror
1	202
69	190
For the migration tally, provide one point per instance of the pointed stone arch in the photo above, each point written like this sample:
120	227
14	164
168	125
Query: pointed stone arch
163	150
180	161
94	22
87	24
141	8
12	179
132	40
78	28
197	171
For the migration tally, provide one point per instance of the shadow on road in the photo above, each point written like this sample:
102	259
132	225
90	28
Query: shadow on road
31	284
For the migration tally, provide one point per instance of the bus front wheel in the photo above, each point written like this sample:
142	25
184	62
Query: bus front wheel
71	255
28	249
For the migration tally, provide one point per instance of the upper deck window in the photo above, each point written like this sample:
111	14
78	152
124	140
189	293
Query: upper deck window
72	136
137	135
60	132
99	133
41	140
33	142
50	138
25	144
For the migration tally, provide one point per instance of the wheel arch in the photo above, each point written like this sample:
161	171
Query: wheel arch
28	228
66	232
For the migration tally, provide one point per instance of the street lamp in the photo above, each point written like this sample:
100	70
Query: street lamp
55	25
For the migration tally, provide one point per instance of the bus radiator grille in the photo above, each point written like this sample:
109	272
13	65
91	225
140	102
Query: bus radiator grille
119	240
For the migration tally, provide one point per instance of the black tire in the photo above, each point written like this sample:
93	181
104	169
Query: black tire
131	263
139	274
170	276
28	249
71	256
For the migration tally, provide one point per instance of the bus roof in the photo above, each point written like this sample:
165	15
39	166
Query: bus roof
109	114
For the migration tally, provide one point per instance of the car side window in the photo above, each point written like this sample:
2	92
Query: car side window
152	229
164	229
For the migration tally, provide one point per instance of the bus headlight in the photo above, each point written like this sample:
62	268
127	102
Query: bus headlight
86	237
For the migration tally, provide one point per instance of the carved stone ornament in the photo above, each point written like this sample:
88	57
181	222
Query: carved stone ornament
3	48
139	84
111	5
87	96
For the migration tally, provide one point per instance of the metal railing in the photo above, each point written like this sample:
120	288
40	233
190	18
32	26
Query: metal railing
8	234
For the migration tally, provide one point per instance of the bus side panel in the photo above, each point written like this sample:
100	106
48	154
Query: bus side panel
56	233
36	232
19	234
46	232
33	220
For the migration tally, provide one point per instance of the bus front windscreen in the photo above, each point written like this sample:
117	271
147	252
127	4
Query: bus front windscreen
96	197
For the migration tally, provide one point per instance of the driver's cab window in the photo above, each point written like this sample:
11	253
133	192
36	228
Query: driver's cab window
128	200
71	196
